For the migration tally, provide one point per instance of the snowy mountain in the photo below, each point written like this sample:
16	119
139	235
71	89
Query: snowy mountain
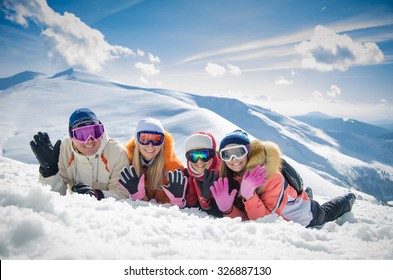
329	162
326	122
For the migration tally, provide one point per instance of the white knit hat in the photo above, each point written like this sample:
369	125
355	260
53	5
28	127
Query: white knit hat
149	124
198	141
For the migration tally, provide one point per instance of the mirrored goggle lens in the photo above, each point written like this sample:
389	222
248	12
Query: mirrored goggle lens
145	137
204	154
83	133
234	151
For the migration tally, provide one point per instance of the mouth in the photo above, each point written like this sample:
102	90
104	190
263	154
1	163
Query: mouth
238	164
89	146
150	151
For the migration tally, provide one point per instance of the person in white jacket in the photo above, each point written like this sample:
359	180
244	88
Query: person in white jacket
87	162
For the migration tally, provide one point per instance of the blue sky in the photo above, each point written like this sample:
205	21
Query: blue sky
292	56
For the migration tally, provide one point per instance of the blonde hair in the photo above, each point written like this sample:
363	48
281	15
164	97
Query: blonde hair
154	173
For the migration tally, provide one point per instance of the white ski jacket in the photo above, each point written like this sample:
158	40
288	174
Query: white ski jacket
100	171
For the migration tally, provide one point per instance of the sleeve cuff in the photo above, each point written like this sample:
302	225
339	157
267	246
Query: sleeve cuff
100	194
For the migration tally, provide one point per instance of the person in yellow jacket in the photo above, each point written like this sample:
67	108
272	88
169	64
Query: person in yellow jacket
155	173
87	162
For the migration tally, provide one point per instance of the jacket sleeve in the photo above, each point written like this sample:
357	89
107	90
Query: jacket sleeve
237	213
115	190
55	182
261	205
255	208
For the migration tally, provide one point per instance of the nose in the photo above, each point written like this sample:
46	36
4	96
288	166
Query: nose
150	144
91	139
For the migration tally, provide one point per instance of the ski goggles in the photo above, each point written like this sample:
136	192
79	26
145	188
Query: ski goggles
238	152
84	133
200	154
147	137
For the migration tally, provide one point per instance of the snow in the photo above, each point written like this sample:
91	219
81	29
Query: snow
38	224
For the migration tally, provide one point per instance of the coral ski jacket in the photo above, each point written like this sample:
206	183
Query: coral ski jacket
171	163
100	171
276	196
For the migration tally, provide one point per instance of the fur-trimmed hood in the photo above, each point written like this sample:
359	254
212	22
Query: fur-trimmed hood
264	153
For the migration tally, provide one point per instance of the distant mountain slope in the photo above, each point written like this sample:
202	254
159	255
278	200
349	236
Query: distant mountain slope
17	79
340	125
343	159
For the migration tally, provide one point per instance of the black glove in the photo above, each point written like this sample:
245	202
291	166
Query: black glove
204	187
186	173
86	189
176	183
46	154
129	180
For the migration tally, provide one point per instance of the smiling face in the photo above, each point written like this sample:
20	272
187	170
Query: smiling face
89	148
200	166
149	151
235	164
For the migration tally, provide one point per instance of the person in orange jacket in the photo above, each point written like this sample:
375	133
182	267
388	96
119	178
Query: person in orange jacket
155	171
252	169
203	166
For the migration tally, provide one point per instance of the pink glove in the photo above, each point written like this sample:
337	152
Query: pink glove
141	193
220	193
251	181
135	185
176	190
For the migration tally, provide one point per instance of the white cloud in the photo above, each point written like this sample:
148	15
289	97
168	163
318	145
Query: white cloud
384	103
140	52
327	51
153	59
147	68
215	70
234	70
70	40
143	80
282	81
317	95
334	91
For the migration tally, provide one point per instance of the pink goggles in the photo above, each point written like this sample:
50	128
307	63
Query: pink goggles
84	133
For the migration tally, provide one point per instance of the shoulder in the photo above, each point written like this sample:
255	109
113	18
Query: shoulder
115	151
114	146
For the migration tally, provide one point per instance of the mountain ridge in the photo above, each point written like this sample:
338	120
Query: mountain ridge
326	122
18	78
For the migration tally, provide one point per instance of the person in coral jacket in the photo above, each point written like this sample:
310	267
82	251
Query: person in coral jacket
155	172
203	166
251	186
